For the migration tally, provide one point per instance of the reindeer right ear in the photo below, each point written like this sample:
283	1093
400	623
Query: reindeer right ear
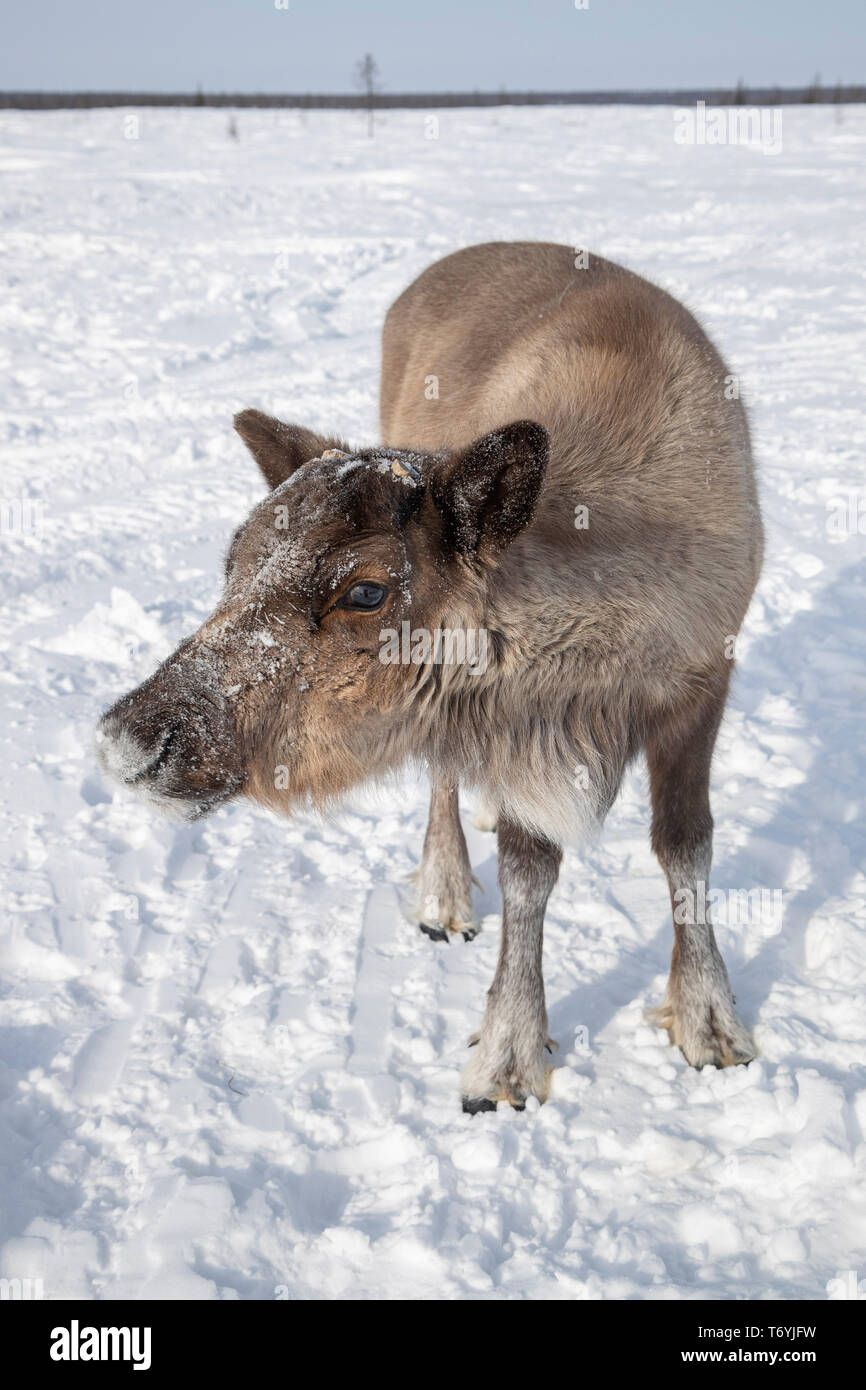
279	449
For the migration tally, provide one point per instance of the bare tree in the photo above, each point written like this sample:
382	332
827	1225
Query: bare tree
813	93
367	78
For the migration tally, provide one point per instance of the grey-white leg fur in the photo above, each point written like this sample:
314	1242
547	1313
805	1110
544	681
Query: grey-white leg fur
443	882
699	1007
511	1057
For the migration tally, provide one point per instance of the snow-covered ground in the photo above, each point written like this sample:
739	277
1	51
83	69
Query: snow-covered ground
228	1065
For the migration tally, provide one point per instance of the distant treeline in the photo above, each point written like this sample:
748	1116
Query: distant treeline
733	96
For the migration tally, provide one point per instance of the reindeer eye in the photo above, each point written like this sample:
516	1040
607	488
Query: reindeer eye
366	597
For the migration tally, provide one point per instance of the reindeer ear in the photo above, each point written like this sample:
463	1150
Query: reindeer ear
487	492
279	449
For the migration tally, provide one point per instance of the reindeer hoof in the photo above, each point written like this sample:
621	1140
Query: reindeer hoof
437	933
706	1036
475	1107
434	933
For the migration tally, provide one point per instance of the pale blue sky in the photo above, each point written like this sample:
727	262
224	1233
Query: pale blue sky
427	45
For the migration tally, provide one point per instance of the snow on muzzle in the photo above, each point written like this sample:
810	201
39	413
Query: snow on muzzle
173	740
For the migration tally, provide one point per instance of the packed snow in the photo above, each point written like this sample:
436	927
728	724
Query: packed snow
229	1063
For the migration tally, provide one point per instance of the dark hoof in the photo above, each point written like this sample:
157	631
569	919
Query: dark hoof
475	1107
434	933
440	934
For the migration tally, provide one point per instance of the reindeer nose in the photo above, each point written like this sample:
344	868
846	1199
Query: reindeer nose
174	743
130	755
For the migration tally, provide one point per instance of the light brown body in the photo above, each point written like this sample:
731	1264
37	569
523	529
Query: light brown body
633	615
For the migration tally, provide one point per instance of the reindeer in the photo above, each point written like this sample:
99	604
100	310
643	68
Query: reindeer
566	467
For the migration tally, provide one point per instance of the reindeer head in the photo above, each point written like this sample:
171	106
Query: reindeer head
285	693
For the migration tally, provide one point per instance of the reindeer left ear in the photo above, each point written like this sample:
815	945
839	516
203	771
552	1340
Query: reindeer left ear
279	449
487	492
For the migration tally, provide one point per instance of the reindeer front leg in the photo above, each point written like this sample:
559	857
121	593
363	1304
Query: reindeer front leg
511	1057
443	882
